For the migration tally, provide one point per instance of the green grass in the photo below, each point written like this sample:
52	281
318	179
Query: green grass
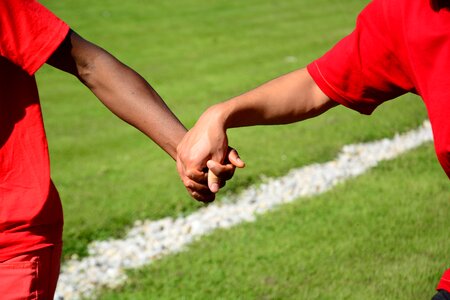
383	235
195	53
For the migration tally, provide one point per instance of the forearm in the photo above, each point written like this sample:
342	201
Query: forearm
132	99
120	89
287	99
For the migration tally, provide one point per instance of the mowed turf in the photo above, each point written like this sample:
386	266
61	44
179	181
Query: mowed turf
383	235
195	53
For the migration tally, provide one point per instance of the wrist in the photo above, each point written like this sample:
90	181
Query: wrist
219	114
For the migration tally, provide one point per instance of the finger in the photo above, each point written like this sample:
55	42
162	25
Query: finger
234	158
193	186
222	184
206	197
197	175
213	182
223	172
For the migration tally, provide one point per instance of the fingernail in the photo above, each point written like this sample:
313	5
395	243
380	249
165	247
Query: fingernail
208	164
214	187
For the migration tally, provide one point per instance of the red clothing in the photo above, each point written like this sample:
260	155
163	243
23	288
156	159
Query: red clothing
30	209
32	275
444	283
397	47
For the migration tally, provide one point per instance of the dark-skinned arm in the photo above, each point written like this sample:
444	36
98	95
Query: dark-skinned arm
130	97
120	89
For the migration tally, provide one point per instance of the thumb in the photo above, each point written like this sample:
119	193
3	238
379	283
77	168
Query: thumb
234	158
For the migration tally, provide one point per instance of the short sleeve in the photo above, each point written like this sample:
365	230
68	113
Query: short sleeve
363	70
29	33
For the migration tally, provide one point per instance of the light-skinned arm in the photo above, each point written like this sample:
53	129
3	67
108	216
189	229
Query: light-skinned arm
290	98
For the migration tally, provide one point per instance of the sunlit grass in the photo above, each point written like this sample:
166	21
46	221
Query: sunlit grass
383	235
195	53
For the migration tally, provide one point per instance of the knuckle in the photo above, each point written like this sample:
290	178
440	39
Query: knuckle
187	182
190	174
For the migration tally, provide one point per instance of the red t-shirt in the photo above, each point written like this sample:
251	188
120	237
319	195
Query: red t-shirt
30	209
397	47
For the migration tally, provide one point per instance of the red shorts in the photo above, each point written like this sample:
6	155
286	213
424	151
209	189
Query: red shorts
32	275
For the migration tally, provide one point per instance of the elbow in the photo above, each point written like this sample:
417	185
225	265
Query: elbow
86	73
96	70
316	102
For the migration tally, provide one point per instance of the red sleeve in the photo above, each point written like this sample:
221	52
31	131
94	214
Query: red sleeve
362	71
29	33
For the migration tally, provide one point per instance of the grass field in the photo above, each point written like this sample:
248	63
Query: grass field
362	240
381	236
195	53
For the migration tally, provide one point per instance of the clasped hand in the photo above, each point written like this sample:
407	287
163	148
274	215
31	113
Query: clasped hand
204	160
